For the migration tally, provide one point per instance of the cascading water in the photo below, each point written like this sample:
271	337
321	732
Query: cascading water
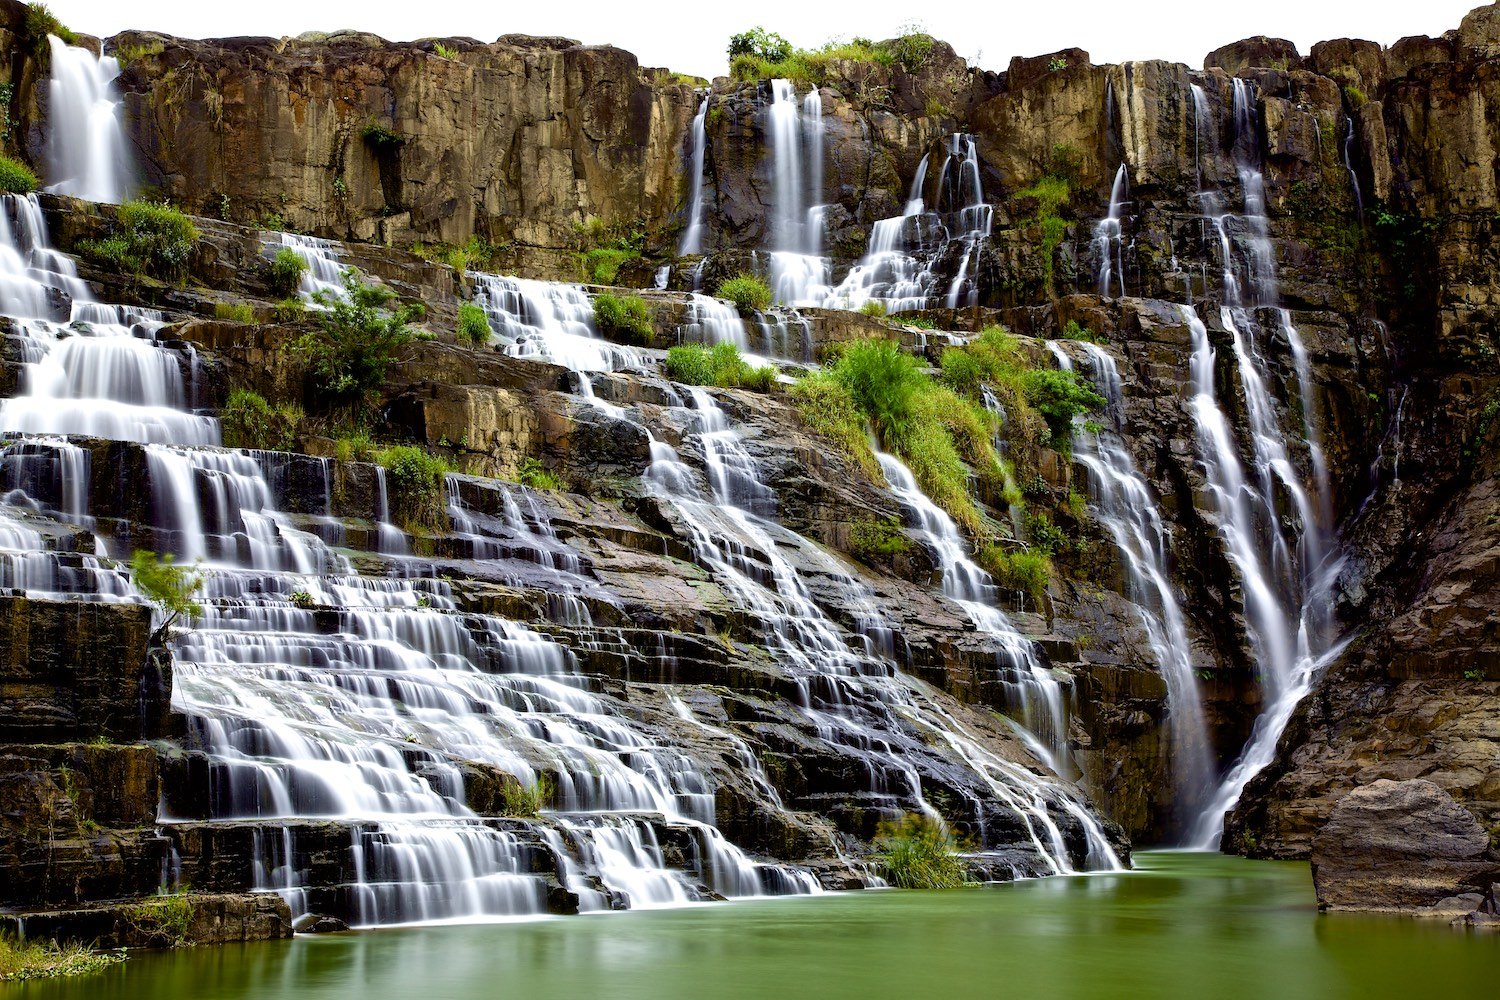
901	267
1348	150
548	321
324	273
1286	571
799	272
1128	509
86	152
333	705
1109	238
692	237
1042	699
850	687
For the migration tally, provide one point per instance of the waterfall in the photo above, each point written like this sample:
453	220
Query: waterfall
799	272
325	271
1286	570
850	689
1125	504
1109	240
1348	150
692	238
900	266
86	151
331	706
548	321
1040	696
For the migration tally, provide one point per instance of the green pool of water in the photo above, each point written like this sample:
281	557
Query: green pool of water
1183	925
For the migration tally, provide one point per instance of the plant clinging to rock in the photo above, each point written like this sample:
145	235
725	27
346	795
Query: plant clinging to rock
168	586
357	338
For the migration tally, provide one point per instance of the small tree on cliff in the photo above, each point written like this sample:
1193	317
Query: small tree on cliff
358	336
168	586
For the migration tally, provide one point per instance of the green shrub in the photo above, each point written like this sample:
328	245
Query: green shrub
285	271
827	408
234	312
527	801
721	366
473	324
16	177
356	340
762	55
747	292
356	446
625	318
23	960
874	540
301	599
534	475
146	239
381	139
873	308
1024	570
162	920
127	54
444	51
416	485
168	586
1059	396
289	310
1073	330
885	382
1052	193
601	265
918	852
41	22
248	421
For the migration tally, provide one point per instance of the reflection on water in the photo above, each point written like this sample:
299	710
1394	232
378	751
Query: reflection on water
1186	925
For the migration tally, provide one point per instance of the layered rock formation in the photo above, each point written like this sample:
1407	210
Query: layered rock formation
1380	187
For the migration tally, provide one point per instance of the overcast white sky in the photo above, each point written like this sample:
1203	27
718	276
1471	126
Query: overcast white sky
690	37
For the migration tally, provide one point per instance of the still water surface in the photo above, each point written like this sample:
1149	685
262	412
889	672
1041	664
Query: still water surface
1184	925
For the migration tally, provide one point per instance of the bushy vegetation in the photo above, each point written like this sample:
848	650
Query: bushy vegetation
285	271
356	446
625	318
356	341
1031	396
827	408
162	920
1052	194
875	540
41	22
16	177
747	292
21	960
759	54
127	54
473	324
917	852
534	475
248	421
922	421
603	249
168	586
146	239
478	252
380	138
415	482
527	801
444	51
873	308
720	365
234	312
1022	569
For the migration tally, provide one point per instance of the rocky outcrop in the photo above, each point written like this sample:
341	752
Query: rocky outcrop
1403	845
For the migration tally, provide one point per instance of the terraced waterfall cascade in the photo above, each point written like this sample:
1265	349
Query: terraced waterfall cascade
799	271
849	684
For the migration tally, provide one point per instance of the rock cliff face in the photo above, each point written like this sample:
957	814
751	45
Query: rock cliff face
1378	173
